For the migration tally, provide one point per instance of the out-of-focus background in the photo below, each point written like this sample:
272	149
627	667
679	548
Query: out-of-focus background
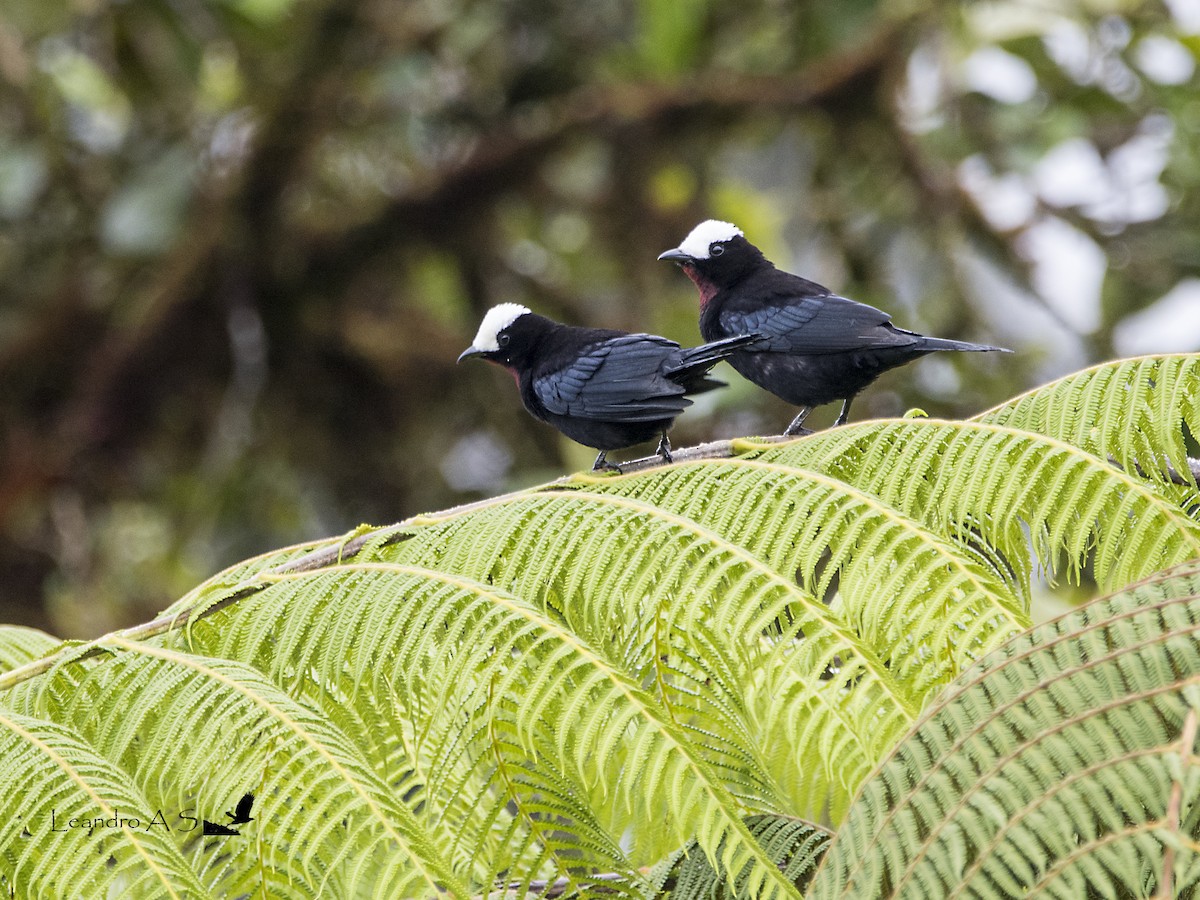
243	241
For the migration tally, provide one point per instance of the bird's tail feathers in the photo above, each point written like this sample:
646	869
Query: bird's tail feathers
696	361
702	384
691	372
932	343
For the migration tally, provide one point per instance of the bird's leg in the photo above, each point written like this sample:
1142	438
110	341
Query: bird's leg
845	413
664	448
601	464
797	426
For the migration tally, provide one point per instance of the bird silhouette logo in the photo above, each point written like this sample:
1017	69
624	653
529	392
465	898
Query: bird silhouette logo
241	813
239	816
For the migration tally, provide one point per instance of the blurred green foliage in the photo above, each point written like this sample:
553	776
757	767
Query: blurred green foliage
242	243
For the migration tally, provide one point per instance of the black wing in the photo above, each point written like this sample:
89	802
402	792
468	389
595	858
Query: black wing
620	379
814	324
241	812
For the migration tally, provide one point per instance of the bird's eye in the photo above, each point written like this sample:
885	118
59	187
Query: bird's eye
503	340
715	250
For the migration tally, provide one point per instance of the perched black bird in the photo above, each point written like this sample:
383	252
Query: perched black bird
817	348
603	388
241	813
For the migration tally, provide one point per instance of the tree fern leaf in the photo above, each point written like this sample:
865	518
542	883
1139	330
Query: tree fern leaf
50	782
606	562
994	480
383	623
548	689
1062	766
1132	410
20	645
339	766
514	651
795	846
241	578
945	609
246	570
193	728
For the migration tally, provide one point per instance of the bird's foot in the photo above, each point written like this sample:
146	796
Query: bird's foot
664	449
603	465
844	414
797	426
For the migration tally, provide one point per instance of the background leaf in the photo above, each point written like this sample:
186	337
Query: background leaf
1062	766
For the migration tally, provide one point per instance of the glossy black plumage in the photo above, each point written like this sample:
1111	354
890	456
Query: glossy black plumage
603	388
817	347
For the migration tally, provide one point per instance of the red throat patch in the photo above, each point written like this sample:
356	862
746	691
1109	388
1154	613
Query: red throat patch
511	370
707	289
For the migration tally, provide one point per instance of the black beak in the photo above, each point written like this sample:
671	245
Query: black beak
675	254
468	353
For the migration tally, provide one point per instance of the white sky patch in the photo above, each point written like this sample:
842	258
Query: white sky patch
1169	325
921	99
1068	271
1020	320
1095	56
1121	189
1000	75
696	244
1135	194
1164	60
1007	201
497	319
1070	174
1186	14
937	376
478	461
529	258
1068	45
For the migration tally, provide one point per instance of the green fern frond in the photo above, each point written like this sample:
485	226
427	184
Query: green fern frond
196	733
483	666
20	645
565	685
1134	410
676	596
794	845
820	528
1063	766
995	484
74	826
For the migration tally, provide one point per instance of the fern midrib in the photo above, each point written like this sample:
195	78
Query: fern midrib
881	676
534	825
1038	738
1114	365
926	537
983	672
815	608
100	802
724	801
215	582
1088	847
1028	440
984	853
436	881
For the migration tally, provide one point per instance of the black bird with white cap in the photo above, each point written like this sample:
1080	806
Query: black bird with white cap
603	388
817	347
